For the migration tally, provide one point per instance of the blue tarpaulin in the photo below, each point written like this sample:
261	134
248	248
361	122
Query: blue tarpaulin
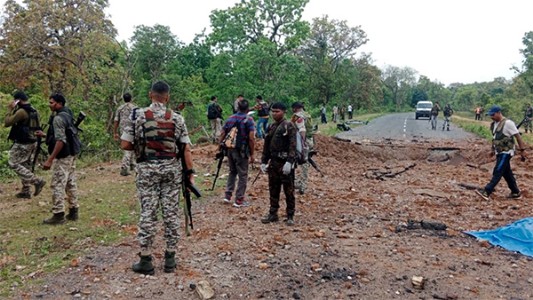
517	236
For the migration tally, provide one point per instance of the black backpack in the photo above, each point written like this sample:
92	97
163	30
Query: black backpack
73	145
25	133
212	111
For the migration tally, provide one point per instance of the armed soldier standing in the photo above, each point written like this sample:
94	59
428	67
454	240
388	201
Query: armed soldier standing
279	155
63	157
25	130
159	172
121	118
304	125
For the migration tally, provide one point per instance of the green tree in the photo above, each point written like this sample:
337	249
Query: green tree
58	45
153	50
399	81
252	21
329	45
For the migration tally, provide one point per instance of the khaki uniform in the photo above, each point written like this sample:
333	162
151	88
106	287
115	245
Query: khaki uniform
20	154
301	176
63	171
158	181
121	116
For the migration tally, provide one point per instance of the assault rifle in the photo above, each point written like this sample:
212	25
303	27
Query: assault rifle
220	157
187	187
38	150
522	122
312	162
79	119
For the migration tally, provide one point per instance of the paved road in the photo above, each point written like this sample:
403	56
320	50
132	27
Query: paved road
403	126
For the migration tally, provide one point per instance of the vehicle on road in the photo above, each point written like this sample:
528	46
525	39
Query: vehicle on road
423	109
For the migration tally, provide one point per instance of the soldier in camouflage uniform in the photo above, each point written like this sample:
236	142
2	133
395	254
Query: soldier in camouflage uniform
64	162
279	155
121	118
159	172
24	137
303	123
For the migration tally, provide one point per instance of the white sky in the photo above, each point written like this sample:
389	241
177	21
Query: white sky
446	40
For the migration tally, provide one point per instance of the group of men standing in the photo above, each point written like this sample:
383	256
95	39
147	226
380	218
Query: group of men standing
278	158
26	132
159	174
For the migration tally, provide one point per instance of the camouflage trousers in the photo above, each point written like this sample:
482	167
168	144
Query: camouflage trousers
20	159
303	170
216	128
158	186
128	160
64	184
276	179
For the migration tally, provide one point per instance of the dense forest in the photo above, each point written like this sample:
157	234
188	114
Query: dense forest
256	47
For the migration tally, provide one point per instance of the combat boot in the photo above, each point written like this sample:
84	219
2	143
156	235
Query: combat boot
124	172
290	220
270	218
58	218
72	214
144	266
23	195
170	262
39	187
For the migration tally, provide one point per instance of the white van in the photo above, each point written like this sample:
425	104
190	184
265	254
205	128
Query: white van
423	109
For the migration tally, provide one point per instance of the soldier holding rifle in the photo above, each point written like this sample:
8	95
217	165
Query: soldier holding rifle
160	174
25	130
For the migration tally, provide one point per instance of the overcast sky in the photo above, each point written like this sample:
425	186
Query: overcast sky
447	40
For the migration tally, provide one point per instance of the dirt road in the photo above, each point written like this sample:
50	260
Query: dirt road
350	241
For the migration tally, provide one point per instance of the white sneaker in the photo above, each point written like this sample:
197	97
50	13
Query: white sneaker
241	204
228	201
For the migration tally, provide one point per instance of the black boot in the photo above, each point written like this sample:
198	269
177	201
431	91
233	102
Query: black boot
290	220
58	218
72	214
170	262
144	266
23	195
271	217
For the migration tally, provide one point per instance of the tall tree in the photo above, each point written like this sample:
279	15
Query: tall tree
330	43
152	50
60	42
251	21
399	81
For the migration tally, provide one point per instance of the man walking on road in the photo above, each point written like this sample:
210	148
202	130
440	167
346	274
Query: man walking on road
503	145
434	114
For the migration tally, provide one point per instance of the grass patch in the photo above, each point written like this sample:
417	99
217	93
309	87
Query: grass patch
27	247
481	128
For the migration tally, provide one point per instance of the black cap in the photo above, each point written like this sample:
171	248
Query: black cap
19	95
297	105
